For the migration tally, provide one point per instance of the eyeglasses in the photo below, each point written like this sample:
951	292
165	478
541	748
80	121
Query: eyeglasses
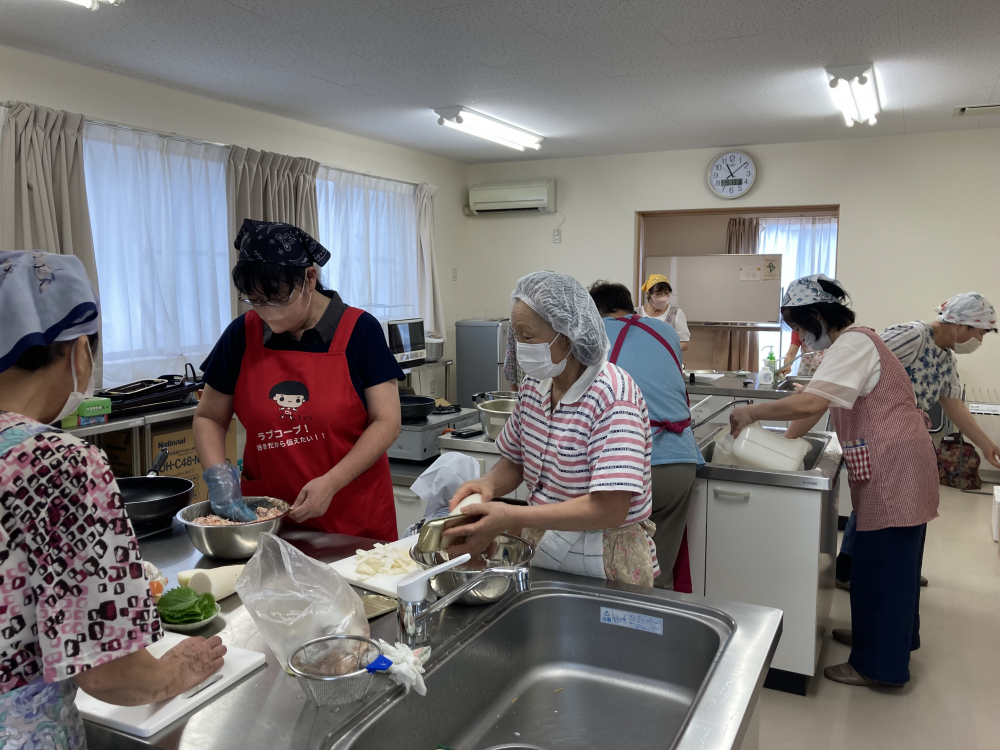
279	302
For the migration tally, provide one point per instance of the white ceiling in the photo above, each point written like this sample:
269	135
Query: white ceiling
592	76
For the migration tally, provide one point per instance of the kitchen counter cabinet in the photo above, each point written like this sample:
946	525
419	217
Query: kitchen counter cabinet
772	546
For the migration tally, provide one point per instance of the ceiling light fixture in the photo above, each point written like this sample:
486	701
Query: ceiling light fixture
483	126
94	4
855	93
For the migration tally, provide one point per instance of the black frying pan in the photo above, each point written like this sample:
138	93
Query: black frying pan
413	408
152	501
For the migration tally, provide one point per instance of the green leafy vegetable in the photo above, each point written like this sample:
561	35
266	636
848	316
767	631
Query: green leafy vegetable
181	606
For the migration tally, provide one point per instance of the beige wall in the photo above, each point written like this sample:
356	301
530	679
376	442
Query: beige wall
100	95
918	221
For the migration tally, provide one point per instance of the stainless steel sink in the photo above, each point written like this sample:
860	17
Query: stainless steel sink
550	672
821	464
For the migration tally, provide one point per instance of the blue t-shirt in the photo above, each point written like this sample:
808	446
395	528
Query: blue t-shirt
368	357
662	385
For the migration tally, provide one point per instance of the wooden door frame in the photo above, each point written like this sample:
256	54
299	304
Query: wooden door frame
768	212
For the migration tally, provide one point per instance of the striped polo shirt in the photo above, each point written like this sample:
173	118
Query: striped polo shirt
598	439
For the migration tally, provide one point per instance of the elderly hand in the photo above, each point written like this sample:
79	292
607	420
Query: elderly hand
740	417
992	453
314	499
494	518
192	661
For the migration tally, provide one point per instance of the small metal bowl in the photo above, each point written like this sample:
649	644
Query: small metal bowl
507	551
236	542
493	415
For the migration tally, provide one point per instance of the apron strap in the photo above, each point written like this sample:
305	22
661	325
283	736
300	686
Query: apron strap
634	320
344	330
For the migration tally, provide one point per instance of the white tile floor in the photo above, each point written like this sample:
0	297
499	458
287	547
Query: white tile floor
953	697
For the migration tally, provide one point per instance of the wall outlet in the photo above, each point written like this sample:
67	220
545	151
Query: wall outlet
557	236
454	273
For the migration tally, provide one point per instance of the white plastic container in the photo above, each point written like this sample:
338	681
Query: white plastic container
763	449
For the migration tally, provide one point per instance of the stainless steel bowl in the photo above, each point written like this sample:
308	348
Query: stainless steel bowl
493	415
434	346
494	395
507	551
236	542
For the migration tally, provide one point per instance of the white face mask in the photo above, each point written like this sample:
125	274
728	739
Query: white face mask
968	347
536	360
817	344
76	398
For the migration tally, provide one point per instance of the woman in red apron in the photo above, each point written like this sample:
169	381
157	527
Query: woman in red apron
647	349
891	470
314	384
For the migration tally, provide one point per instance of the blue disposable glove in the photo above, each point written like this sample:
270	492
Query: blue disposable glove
224	493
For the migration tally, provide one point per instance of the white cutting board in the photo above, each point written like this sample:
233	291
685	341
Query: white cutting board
380	584
147	720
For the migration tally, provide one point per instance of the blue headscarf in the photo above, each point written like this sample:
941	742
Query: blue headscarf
276	242
43	298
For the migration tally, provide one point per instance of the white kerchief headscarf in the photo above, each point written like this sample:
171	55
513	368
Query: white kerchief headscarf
44	298
969	309
807	291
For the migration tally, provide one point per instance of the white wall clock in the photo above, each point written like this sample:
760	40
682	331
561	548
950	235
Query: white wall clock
731	174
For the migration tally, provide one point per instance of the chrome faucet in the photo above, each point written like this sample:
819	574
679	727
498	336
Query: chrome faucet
717	412
414	607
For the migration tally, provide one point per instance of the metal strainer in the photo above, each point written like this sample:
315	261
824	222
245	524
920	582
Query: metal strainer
331	670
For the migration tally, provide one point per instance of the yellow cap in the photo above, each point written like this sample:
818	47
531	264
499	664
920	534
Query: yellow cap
653	280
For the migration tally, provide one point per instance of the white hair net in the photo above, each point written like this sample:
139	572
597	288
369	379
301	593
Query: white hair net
567	306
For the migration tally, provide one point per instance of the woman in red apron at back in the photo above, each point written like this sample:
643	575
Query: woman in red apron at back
313	382
890	466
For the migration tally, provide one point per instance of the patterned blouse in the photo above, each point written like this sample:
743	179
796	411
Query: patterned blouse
74	593
932	370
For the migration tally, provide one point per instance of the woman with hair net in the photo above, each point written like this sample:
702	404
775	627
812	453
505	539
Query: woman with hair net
579	438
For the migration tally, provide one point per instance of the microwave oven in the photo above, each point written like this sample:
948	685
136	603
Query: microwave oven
406	341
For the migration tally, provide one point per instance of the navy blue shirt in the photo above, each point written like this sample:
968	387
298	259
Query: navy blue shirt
368	357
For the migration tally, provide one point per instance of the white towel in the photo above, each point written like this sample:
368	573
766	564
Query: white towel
577	552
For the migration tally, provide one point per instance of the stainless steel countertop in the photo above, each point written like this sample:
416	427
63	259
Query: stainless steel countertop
268	710
732	385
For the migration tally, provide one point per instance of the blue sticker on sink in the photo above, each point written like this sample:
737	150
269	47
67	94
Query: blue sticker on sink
634	620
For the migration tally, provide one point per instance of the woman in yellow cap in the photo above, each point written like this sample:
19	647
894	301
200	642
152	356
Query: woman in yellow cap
657	305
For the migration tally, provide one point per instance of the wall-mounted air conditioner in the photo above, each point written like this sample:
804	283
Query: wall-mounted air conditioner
529	196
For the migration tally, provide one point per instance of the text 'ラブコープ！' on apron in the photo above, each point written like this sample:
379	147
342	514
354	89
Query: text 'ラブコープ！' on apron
302	416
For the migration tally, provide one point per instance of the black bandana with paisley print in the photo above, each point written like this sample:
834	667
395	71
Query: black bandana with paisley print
276	242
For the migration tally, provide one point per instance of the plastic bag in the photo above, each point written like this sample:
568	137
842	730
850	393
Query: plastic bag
293	598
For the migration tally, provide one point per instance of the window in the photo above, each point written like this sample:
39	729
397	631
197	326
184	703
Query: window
369	225
807	245
158	213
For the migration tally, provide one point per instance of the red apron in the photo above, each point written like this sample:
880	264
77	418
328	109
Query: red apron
634	320
682	565
890	458
302	416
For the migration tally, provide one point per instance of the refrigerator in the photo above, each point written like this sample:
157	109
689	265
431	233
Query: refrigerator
480	348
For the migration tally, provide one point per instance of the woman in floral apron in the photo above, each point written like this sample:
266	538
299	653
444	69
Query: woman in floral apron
76	611
891	470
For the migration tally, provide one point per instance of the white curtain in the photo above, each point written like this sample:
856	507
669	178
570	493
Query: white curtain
431	309
807	245
369	225
158	212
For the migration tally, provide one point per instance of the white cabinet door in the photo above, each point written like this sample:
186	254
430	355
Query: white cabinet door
696	520
409	508
763	547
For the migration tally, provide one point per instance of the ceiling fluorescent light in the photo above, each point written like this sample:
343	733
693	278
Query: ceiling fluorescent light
88	4
483	126
855	93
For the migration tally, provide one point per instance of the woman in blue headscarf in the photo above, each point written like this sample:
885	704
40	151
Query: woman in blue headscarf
77	607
